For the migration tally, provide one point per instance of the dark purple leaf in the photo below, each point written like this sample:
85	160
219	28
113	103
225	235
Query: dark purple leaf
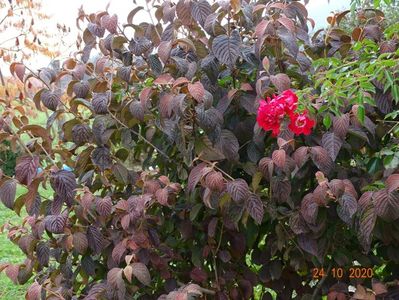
100	102
227	49
51	99
64	184
95	239
7	193
81	134
81	89
55	223
255	208
104	206
26	169
309	209
347	208
101	157
238	190
332	143
200	11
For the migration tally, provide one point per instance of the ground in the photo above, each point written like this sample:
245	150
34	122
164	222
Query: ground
8	251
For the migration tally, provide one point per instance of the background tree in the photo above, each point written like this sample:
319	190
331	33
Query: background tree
24	32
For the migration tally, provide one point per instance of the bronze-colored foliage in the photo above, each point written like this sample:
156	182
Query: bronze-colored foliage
162	176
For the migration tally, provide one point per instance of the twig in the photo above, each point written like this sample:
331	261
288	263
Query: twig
56	294
37	76
320	283
12	38
292	240
216	167
44	150
201	289
243	145
41	196
123	32
215	270
152	19
45	83
392	129
215	255
140	136
20	141
220	237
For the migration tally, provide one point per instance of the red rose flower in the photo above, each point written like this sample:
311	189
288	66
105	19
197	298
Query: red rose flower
270	114
301	123
291	101
272	111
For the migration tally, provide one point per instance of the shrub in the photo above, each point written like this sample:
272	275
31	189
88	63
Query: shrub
177	192
8	159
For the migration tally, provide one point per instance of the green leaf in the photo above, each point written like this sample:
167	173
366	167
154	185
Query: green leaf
327	121
256	180
374	165
391	162
361	113
389	77
392	115
367	86
195	210
395	93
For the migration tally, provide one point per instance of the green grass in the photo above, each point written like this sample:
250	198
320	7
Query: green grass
10	252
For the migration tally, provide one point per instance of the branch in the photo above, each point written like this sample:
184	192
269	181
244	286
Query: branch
12	38
140	136
216	167
201	289
45	83
37	77
320	283
4	18
152	20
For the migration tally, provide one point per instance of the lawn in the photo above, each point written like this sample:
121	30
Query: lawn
8	251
